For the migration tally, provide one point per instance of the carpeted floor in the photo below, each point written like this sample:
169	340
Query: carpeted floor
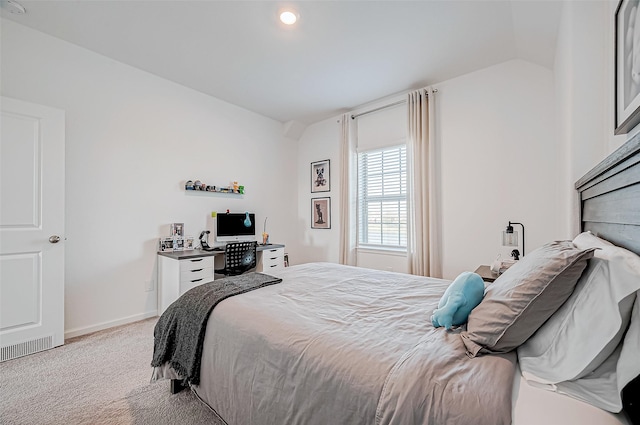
102	378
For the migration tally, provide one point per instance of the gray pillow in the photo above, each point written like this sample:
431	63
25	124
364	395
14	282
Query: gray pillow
524	297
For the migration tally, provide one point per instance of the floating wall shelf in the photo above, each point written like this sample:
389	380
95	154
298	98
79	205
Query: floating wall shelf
198	186
214	192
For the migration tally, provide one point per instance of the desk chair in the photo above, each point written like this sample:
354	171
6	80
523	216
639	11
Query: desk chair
239	257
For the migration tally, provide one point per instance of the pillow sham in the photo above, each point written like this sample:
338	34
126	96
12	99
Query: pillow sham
585	331
524	297
603	387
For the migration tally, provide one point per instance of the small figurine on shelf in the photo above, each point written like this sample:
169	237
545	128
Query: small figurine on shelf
241	190
235	187
197	185
188	185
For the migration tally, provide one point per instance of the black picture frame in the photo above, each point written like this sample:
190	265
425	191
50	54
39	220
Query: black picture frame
321	213
627	66
321	176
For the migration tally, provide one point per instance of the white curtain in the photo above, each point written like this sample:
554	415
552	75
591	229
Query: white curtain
348	169
424	250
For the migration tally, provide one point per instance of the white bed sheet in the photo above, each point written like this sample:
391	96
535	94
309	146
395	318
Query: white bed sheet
536	406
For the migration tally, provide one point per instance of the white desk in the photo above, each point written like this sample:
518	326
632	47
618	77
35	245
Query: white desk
182	270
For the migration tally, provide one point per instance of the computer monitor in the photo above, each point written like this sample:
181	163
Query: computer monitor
231	227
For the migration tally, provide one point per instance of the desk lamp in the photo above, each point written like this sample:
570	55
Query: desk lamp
510	238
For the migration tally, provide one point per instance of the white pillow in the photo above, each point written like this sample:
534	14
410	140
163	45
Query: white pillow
586	330
603	387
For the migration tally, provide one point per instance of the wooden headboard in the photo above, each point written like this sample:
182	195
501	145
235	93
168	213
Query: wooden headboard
610	208
610	197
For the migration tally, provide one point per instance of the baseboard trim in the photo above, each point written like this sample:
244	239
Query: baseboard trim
106	325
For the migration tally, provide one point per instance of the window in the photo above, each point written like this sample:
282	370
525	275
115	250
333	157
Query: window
382	198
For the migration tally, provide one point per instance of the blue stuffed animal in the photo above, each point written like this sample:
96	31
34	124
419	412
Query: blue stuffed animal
462	296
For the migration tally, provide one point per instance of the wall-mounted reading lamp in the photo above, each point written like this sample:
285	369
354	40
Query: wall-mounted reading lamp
510	238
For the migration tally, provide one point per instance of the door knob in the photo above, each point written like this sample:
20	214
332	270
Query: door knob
54	239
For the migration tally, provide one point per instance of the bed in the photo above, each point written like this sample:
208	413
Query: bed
340	344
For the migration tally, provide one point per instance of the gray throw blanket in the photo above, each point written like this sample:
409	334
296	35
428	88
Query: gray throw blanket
179	333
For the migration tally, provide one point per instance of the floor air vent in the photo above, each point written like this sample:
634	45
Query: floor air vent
25	348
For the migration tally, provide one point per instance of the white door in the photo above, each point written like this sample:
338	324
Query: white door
32	142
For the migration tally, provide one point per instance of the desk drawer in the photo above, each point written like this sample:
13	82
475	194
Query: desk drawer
273	259
194	278
201	275
275	266
185	286
196	263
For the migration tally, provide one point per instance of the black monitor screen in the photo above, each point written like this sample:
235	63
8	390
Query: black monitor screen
233	226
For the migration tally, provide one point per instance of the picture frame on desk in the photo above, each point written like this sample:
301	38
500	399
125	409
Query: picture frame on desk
177	229
165	244
172	244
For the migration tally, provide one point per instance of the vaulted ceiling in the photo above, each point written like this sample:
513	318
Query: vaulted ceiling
340	54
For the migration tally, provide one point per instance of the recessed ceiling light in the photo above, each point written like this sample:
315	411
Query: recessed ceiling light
288	16
15	7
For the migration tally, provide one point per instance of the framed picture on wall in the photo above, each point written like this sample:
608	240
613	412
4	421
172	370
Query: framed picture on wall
321	176
321	213
627	66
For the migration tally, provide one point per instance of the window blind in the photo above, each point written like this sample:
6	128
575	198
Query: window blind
382	129
382	197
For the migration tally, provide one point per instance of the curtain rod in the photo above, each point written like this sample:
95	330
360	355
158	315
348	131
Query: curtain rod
400	102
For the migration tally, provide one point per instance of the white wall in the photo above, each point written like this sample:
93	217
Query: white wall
132	141
581	95
500	162
320	141
589	29
584	76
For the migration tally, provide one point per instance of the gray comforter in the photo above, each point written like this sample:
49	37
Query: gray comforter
335	344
